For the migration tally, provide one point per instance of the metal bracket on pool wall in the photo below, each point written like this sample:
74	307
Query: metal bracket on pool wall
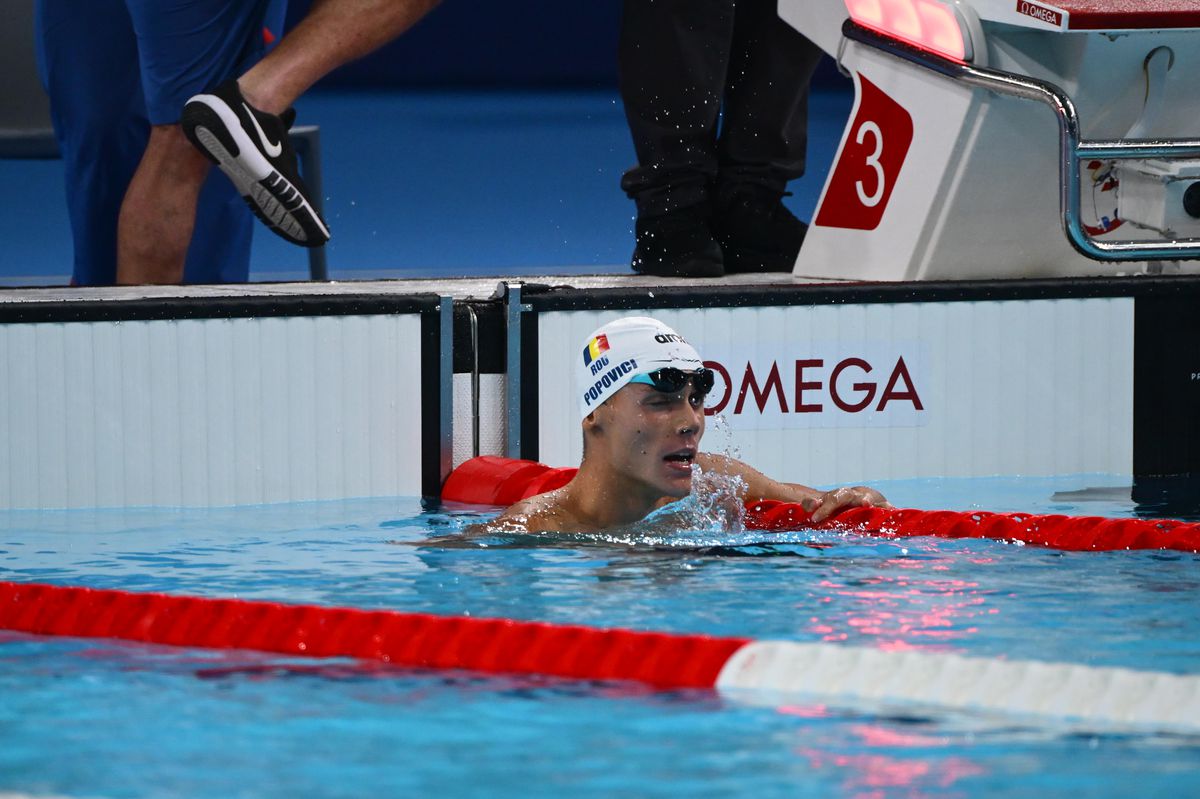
446	382
512	380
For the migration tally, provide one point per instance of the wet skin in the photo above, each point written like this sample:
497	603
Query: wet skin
650	438
641	447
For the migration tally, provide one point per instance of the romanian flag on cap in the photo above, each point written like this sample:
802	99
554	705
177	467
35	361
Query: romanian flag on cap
596	346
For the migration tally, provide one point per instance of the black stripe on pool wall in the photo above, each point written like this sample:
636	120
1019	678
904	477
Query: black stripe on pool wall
1166	388
530	424
431	403
634	298
200	307
489	318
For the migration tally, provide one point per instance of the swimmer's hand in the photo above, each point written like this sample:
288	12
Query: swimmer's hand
839	499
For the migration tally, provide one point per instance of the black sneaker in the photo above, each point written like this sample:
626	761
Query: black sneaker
756	230
253	149
677	244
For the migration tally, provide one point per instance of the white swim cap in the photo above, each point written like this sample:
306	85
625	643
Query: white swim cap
617	352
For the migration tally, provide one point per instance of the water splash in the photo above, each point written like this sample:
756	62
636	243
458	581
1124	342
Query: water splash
714	513
717	503
718	435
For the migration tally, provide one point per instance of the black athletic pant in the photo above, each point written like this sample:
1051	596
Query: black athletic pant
683	62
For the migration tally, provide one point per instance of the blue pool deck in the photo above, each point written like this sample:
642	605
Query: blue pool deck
434	184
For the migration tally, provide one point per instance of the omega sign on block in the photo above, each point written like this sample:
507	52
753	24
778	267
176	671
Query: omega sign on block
1050	16
881	385
869	164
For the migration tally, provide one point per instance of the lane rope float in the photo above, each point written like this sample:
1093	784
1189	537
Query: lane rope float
1109	696
492	480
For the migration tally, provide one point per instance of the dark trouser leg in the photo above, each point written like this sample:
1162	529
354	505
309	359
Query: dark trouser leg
765	130
89	55
763	139
673	59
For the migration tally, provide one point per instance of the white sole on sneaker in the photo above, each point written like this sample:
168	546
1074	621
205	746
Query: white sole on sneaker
269	209
250	170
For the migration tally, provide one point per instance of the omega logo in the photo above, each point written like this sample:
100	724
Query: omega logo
1046	15
846	389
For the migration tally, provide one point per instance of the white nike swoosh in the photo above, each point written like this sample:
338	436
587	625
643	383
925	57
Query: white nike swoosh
273	150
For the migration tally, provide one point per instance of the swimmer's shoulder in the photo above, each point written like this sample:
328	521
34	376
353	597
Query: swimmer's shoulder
538	514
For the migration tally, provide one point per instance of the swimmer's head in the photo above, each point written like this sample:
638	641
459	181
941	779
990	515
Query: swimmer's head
635	347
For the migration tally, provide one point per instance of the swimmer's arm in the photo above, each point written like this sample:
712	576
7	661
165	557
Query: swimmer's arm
821	504
758	485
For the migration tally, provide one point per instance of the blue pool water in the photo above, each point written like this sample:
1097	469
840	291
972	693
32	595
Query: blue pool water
103	718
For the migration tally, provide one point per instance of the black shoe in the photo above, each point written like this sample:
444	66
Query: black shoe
253	149
756	231
677	244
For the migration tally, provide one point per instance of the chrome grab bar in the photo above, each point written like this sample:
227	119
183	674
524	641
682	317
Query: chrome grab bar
1072	149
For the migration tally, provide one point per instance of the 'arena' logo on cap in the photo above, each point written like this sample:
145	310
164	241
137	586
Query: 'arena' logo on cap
596	346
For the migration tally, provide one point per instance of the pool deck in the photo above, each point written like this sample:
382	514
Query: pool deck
479	288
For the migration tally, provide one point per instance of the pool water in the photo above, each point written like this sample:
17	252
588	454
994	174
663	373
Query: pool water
105	718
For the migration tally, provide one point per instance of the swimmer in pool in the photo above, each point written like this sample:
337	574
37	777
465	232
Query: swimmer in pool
641	390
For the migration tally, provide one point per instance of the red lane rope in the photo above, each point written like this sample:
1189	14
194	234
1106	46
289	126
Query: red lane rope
1072	533
1167	701
404	639
490	480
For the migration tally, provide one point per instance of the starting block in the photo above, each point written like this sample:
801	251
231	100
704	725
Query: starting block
984	130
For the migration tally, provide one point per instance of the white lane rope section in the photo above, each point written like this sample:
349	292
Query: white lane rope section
1106	695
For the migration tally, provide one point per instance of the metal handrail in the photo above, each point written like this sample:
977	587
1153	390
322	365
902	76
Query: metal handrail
1072	149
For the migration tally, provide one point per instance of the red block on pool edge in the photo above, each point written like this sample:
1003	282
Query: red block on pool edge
491	480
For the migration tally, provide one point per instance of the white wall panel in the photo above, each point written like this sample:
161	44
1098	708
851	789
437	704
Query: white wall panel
210	411
1034	387
492	419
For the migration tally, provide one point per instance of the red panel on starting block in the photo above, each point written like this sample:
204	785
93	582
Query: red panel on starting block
869	164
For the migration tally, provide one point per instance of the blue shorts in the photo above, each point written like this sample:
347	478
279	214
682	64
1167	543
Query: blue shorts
189	46
115	67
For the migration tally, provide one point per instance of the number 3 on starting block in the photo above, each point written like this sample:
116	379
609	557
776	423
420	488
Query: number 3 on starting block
869	163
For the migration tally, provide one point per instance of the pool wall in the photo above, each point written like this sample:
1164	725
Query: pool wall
247	404
213	396
851	382
855	392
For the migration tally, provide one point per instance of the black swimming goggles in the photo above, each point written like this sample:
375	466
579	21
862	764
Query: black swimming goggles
671	380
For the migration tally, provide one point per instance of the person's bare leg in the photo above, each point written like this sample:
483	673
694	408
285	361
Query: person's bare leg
159	210
334	32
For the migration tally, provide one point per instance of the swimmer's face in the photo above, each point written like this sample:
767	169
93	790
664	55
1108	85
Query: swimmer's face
652	436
